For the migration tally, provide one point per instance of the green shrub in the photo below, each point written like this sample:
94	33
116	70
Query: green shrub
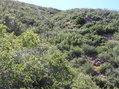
104	67
111	44
115	51
103	83
29	39
78	62
88	50
116	36
115	62
105	56
79	20
83	82
101	49
97	29
75	52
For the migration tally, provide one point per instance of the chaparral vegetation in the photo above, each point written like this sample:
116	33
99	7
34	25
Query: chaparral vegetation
46	48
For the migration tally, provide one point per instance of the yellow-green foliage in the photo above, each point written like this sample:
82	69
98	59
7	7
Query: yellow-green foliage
96	68
83	82
29	39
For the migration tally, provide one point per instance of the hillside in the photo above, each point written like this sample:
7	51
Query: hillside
46	48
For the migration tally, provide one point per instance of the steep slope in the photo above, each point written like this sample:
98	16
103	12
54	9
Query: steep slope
17	15
46	48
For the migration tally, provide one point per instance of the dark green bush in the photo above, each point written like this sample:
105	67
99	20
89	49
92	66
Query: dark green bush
75	52
88	50
79	20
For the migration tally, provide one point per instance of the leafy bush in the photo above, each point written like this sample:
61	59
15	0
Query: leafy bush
29	39
105	67
101	49
97	29
103	83
116	36
105	56
83	82
78	62
111	44
88	50
79	20
75	52
115	51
